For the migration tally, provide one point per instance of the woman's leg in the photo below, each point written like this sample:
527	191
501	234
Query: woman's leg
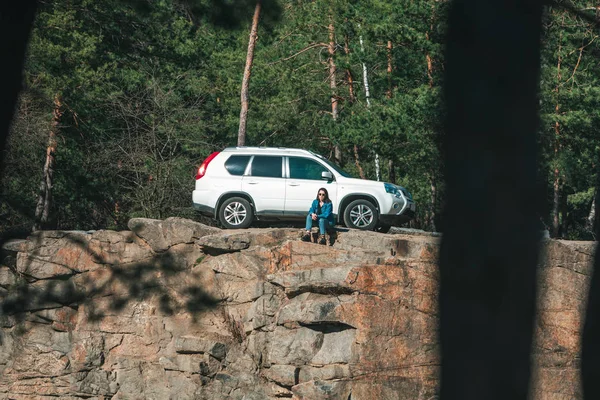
329	225
309	223
323	226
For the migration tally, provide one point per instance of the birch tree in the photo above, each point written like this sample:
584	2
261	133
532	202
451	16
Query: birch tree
367	93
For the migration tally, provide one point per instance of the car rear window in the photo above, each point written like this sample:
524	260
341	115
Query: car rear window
236	165
267	166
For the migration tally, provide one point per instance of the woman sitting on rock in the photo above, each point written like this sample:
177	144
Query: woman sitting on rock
321	211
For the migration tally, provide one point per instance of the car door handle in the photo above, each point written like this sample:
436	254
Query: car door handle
252	182
294	184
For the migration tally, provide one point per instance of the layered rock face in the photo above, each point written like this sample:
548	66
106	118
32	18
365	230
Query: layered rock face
177	310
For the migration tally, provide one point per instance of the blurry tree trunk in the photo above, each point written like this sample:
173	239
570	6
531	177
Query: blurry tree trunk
44	203
333	83
17	20
557	180
246	79
489	255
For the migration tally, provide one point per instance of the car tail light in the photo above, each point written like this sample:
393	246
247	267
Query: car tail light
202	168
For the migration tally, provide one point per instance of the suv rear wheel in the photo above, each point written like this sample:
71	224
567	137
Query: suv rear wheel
236	213
361	214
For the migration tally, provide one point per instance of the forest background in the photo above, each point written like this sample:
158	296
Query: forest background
122	101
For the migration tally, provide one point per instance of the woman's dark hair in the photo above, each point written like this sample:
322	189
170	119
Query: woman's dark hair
326	199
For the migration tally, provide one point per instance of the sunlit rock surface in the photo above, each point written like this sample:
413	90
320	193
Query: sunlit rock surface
175	309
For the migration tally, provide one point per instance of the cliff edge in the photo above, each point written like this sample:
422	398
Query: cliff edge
175	309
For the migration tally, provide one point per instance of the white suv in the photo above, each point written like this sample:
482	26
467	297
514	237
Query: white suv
239	184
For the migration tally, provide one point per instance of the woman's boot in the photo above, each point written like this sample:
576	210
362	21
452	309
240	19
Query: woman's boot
322	239
305	237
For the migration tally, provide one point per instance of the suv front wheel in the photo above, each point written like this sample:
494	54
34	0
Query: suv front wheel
236	213
361	214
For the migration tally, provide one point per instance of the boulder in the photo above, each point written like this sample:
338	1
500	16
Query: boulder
161	235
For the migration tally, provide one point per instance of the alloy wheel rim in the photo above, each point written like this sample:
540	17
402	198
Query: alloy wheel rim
361	215
235	213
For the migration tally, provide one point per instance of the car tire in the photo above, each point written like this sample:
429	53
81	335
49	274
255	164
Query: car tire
361	214
236	213
382	228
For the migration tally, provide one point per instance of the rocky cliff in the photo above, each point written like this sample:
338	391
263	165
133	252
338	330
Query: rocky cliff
178	310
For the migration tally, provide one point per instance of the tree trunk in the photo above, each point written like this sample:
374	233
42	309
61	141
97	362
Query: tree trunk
427	55
349	77
564	217
17	23
432	181
333	83
246	79
489	255
429	62
368	95
332	71
365	76
391	172
337	154
555	203
590	221
389	94
360	170
389	69
352	99
433	202
557	180
44	203
429	69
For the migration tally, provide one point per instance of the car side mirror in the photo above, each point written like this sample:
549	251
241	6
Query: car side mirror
327	175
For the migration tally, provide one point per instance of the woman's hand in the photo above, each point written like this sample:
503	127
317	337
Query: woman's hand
314	216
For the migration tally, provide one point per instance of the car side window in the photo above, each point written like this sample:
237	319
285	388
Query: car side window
236	165
267	166
305	168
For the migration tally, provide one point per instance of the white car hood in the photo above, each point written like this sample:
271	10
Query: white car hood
360	182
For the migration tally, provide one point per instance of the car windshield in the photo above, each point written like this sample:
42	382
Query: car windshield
334	166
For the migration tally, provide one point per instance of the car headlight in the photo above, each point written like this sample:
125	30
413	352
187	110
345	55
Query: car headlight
393	189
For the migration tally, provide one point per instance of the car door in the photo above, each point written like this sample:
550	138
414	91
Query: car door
265	184
302	184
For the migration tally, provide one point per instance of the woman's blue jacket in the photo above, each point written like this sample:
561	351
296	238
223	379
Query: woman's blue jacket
326	210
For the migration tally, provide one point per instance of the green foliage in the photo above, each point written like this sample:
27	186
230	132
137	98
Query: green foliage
149	89
570	115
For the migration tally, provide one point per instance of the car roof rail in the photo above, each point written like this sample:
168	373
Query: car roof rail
267	148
